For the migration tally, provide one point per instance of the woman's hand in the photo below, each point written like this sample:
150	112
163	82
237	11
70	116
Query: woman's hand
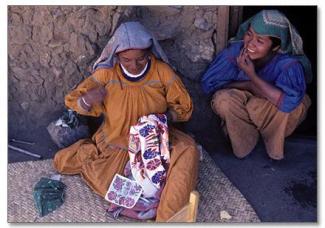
94	96
245	63
258	86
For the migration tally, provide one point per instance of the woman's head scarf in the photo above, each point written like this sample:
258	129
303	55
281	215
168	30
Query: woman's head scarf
129	35
276	24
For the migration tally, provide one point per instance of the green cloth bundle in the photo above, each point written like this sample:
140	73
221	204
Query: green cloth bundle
48	195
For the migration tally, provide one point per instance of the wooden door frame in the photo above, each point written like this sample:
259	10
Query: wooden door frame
228	20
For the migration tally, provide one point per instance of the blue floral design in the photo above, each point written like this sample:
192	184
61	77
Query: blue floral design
150	153
162	117
158	177
146	130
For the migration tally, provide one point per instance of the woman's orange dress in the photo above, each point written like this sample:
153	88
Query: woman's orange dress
98	159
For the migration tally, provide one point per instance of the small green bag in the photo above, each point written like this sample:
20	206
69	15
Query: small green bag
48	195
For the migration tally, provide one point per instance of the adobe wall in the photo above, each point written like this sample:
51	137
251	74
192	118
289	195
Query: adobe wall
51	49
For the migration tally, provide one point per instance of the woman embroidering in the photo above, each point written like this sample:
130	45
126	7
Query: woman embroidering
132	79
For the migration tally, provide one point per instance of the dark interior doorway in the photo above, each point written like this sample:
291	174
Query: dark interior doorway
304	18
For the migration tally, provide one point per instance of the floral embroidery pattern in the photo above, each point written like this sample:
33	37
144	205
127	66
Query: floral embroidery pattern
123	192
158	177
162	118
150	153
150	137
118	184
146	130
153	164
111	195
149	160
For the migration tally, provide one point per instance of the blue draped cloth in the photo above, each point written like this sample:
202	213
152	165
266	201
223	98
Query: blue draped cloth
283	71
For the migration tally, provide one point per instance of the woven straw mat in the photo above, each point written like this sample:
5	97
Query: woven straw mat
82	205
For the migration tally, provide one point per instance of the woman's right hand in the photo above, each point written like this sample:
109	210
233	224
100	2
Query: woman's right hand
245	63
94	96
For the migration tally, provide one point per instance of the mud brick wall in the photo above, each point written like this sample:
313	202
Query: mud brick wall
51	49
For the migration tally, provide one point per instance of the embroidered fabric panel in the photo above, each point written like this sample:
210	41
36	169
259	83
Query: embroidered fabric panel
149	152
123	192
137	195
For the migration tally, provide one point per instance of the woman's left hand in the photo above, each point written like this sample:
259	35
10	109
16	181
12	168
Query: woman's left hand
245	63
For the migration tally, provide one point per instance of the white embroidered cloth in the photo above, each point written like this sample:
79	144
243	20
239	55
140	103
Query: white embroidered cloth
149	152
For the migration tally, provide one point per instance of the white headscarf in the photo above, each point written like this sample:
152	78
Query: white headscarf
129	35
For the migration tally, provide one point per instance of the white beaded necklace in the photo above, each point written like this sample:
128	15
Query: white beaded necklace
134	75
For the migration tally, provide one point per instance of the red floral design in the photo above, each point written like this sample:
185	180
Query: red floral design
153	164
